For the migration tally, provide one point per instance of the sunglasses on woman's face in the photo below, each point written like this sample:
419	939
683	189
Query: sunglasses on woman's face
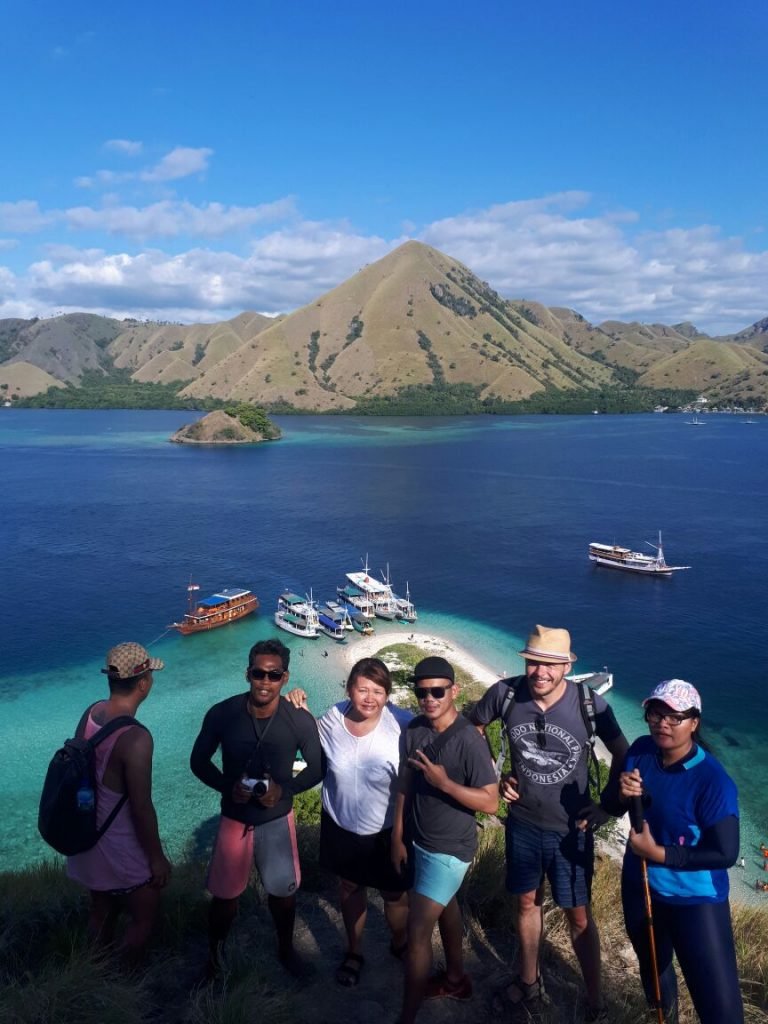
422	692
260	674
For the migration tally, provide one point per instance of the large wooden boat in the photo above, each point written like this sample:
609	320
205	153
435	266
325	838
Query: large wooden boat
219	609
614	557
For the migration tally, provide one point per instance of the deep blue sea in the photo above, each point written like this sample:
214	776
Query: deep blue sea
102	522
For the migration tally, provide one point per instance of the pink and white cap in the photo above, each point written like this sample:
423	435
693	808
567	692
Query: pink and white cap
676	694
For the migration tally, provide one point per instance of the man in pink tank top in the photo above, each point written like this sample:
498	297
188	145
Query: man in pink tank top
127	868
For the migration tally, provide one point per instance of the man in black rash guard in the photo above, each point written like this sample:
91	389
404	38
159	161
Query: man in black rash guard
258	733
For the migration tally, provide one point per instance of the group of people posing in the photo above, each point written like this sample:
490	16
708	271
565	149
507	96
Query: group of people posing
400	795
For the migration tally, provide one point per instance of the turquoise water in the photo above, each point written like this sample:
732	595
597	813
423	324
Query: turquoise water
488	519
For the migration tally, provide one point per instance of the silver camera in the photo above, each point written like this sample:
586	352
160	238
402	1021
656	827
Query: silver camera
257	786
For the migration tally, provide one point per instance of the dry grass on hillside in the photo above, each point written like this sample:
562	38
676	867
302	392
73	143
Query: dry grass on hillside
49	976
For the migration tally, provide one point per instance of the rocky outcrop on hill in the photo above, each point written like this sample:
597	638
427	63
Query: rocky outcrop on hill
219	428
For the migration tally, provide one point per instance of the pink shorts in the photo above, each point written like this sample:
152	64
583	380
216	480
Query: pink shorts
272	847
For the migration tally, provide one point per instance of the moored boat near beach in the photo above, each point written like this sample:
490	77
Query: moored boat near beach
333	621
360	623
601	682
355	599
614	557
297	615
378	593
341	612
406	609
219	609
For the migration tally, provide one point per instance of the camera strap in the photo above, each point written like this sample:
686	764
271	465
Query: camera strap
260	737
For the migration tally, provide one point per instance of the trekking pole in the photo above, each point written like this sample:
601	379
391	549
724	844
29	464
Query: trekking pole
636	821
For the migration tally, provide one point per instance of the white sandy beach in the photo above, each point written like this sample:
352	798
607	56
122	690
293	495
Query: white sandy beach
433	643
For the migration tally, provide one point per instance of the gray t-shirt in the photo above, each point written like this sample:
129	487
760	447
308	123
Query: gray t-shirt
439	823
549	751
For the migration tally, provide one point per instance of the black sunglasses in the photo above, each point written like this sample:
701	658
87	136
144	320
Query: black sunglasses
422	692
273	674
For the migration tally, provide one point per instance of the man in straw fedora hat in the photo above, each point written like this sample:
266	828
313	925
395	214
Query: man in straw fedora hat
549	723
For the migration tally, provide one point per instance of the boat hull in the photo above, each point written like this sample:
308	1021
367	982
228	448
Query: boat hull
308	631
642	570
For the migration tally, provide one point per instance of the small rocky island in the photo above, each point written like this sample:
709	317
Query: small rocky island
243	425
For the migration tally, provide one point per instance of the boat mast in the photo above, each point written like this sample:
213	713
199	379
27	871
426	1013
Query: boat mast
191	588
660	553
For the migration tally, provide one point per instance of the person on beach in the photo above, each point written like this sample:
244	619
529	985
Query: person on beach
550	819
445	778
690	838
362	741
127	867
259	734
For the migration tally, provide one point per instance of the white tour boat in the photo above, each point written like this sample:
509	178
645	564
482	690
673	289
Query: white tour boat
297	615
614	557
356	600
600	682
406	609
378	594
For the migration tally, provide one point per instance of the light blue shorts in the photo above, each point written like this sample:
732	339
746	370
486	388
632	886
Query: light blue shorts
438	876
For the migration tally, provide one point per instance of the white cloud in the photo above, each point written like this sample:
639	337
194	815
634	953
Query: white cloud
549	250
284	271
171	218
23	216
125	146
179	163
554	249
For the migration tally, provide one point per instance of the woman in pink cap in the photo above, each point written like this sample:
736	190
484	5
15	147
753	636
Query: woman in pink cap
689	839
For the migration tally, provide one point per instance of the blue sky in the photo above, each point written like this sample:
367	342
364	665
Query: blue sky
189	160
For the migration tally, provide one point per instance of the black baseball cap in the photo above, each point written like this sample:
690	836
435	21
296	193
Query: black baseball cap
433	668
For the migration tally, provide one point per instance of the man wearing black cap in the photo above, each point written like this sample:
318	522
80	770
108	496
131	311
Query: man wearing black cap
446	777
550	818
126	868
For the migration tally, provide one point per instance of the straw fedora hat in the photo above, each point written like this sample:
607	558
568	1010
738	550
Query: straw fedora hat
552	646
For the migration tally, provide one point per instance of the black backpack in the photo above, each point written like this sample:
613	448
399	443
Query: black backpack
65	826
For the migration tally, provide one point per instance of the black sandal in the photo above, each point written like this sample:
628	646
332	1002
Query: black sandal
348	973
521	993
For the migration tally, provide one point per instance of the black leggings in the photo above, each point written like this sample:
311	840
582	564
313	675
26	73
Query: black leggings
702	938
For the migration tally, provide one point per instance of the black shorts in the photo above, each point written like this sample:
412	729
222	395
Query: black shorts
365	860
